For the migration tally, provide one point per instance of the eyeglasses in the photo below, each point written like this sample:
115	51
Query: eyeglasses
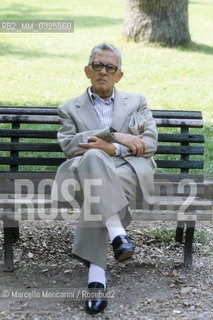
98	66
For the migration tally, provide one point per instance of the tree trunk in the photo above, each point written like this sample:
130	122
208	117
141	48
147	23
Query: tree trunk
164	21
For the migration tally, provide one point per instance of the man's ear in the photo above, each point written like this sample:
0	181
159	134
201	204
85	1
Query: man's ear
119	76
87	71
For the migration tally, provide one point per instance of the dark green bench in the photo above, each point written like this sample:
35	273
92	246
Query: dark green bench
29	150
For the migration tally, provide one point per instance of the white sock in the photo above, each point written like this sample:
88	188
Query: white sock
114	227
96	274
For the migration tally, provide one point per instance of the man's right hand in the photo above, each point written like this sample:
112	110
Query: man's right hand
135	143
96	143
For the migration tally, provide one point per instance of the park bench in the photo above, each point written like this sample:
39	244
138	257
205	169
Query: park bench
30	153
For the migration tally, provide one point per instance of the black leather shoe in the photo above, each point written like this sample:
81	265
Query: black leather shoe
98	304
122	248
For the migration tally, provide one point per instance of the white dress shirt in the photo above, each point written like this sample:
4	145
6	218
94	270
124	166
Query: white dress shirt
104	110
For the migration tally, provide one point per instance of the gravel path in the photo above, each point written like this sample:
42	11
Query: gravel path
152	285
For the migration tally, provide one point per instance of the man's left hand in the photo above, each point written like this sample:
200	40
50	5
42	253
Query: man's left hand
134	142
96	143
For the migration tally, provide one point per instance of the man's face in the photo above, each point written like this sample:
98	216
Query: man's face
102	81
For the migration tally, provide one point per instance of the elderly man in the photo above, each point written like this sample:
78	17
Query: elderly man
107	160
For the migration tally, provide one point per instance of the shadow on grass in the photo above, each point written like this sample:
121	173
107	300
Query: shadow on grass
18	9
196	47
8	49
19	12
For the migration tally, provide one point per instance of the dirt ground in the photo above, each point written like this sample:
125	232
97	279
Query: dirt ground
48	283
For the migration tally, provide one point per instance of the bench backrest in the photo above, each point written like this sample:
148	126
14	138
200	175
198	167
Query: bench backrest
33	131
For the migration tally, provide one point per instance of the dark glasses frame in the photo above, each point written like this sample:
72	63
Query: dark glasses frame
110	68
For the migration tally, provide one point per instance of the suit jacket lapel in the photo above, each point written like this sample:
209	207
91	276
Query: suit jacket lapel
121	110
86	112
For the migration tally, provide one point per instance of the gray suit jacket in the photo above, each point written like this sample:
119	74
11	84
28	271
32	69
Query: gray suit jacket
79	121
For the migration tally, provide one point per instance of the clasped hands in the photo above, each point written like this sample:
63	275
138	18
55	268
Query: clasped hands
134	142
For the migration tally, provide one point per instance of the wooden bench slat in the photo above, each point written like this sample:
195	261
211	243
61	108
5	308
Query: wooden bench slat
7	186
175	203
158	177
165	215
170	203
31	161
11	176
145	215
169	137
180	150
182	164
28	118
52	134
53	111
177	114
163	187
28	110
16	146
20	133
161	177
171	189
190	123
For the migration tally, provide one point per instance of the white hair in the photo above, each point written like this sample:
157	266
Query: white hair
105	46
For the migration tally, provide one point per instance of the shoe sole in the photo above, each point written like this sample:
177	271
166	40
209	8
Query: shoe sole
125	255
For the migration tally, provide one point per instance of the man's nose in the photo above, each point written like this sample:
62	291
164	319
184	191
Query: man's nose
103	70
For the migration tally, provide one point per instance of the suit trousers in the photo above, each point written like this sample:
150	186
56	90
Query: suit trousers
107	188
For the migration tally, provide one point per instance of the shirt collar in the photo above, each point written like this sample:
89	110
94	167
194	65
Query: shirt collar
95	96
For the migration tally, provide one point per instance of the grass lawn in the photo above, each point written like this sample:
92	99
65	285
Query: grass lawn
47	69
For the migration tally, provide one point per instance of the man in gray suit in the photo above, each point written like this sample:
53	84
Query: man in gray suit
107	161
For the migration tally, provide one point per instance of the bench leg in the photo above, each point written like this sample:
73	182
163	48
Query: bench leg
8	249
190	227
179	231
11	234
